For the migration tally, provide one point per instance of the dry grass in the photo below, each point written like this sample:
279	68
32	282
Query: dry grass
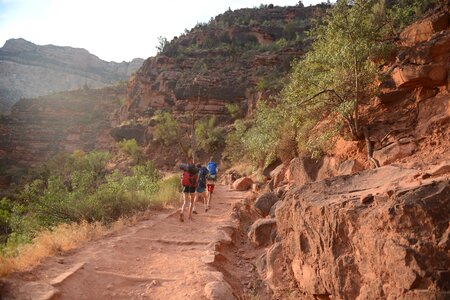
62	238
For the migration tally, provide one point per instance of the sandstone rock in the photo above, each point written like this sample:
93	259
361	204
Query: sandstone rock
432	111
329	236
218	290
275	271
393	96
349	167
393	152
264	203
268	170
420	75
424	93
328	168
302	170
278	175
242	184
262	232
423	31
441	169
274	208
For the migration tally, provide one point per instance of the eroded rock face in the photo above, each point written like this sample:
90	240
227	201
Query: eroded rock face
262	232
340	243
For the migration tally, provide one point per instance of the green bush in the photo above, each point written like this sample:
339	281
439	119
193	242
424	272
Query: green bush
167	130
131	148
208	136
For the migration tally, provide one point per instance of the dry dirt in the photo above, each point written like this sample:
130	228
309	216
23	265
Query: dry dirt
160	258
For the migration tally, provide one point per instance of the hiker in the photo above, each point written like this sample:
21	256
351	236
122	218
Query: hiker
189	183
200	192
211	180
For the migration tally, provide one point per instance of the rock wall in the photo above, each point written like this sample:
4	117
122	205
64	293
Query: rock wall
220	63
28	70
379	235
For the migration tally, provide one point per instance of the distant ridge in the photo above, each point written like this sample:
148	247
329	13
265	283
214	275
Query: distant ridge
29	70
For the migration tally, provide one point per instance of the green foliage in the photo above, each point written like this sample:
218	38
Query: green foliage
167	48
404	12
234	144
339	70
262	138
131	148
233	109
77	189
167	130
209	137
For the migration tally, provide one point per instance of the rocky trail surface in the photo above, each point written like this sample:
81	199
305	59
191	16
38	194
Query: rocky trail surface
160	258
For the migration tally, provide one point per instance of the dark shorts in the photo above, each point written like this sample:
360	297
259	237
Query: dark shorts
200	189
188	189
210	187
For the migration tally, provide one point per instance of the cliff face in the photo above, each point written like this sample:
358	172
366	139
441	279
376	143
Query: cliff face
223	62
28	70
381	233
39	128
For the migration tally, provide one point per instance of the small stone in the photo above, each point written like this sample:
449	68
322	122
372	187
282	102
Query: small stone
154	282
60	260
138	259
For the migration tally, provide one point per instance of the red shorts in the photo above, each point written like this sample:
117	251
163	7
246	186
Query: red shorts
210	187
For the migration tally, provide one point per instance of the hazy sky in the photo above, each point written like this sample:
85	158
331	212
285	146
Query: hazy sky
114	30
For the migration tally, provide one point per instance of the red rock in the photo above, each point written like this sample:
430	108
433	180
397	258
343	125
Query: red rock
262	232
349	167
420	75
423	31
344	249
432	111
242	184
393	152
264	203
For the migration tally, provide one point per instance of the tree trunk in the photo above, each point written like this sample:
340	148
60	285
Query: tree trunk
369	144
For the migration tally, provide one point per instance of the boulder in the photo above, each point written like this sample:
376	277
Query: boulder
302	170
441	169
218	290
424	30
278	175
274	208
400	240
349	167
262	232
264	203
274	267
431	75
268	170
243	184
393	152
432	111
424	93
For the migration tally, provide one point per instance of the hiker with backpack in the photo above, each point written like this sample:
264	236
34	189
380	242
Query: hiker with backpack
211	180
189	183
200	192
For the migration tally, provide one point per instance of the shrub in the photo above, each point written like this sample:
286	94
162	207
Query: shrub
131	148
167	130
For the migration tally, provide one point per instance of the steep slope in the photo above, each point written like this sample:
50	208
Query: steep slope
63	122
28	70
377	233
236	58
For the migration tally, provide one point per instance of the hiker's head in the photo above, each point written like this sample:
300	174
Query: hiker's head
199	166
211	158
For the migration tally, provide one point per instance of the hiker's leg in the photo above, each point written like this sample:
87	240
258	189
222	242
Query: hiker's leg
185	196
191	205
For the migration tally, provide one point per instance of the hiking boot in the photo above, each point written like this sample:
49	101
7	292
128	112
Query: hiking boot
181	217
206	209
195	212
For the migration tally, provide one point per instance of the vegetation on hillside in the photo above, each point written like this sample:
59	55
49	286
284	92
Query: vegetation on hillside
327	85
78	188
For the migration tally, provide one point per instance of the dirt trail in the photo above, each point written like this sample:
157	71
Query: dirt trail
160	258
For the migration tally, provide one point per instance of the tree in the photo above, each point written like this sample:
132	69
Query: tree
340	69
